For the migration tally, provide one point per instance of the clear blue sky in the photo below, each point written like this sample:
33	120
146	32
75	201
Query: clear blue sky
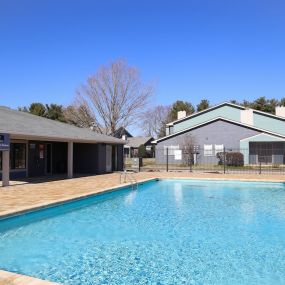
212	49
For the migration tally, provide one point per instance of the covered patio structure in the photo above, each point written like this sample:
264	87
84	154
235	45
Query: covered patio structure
32	146
263	148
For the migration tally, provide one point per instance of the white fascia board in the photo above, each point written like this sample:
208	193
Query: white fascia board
268	114
266	134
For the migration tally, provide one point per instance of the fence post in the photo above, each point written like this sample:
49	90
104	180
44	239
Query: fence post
167	159
225	160
260	167
190	162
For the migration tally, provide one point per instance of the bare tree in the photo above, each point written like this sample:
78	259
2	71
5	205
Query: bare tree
115	96
79	115
187	144
153	120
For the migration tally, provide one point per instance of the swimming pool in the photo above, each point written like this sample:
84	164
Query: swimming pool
167	232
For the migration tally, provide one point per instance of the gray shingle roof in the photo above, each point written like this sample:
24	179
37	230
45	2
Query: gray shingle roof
137	141
25	124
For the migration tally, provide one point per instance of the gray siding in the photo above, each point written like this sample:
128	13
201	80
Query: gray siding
91	158
59	158
218	132
120	153
101	167
85	158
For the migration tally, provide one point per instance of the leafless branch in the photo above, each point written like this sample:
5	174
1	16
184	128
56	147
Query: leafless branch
153	120
115	96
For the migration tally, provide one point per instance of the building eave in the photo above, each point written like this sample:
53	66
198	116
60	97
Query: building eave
280	138
23	136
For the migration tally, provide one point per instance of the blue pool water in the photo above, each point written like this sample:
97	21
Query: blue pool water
167	232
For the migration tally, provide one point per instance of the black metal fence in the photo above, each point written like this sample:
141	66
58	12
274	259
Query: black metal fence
216	160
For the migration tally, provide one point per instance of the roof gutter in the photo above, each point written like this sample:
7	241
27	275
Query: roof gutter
62	139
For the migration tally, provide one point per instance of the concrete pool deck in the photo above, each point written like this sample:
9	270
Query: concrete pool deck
9	278
21	197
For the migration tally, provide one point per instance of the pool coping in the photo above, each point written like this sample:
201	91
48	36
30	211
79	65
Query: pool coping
11	278
225	179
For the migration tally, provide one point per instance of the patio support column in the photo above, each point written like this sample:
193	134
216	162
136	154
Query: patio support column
70	160
6	168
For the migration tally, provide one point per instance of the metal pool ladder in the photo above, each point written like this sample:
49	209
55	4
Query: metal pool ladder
129	176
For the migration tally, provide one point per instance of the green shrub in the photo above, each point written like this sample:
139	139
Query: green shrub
232	158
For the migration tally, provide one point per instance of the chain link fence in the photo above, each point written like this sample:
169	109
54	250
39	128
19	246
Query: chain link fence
225	160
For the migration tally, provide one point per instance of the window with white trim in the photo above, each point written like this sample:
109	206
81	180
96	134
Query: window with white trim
219	148
208	150
171	149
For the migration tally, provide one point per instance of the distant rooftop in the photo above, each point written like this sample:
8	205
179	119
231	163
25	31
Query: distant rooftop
135	142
